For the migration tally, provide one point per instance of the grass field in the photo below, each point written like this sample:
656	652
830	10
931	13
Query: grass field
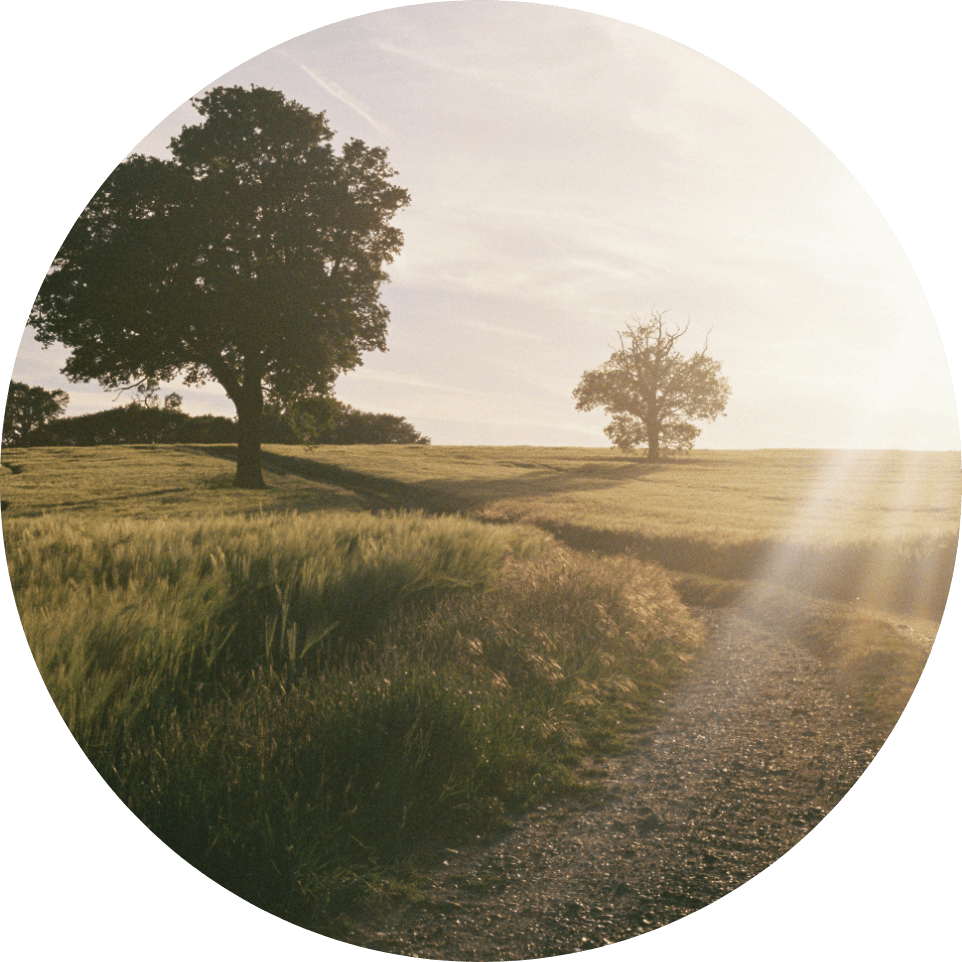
876	526
881	527
148	481
391	647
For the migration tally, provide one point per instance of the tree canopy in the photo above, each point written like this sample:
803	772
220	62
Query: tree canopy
652	392
253	257
29	409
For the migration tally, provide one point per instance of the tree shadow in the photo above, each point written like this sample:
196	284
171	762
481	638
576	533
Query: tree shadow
375	492
445	495
465	494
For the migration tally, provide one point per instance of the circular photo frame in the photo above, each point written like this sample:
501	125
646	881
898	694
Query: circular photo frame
873	878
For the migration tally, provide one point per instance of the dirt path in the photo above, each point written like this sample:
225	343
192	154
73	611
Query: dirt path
751	752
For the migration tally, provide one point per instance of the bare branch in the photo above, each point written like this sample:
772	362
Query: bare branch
133	387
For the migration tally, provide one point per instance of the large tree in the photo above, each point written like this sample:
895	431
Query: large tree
651	391
253	257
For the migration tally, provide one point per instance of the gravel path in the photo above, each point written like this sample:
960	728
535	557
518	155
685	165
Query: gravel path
751	752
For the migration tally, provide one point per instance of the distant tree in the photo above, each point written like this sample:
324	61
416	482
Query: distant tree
253	257
361	427
326	420
136	424
652	392
29	409
148	393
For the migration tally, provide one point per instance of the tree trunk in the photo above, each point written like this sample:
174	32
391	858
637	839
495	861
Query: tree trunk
249	440
653	439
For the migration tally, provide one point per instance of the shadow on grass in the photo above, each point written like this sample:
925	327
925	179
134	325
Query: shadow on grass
377	493
442	496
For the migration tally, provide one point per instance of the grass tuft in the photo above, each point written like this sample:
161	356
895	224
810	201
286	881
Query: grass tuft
874	663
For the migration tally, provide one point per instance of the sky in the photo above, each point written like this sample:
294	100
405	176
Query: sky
569	172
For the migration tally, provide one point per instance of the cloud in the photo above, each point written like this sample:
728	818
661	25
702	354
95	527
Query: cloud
336	90
406	380
503	331
461	69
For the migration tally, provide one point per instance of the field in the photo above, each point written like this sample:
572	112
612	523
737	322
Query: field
303	688
880	527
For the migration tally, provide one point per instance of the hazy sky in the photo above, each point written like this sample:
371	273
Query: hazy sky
568	171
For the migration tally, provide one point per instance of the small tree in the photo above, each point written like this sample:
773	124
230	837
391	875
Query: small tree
652	392
148	394
29	409
135	424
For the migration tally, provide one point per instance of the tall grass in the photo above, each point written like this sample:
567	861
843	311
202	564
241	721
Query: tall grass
294	703
125	615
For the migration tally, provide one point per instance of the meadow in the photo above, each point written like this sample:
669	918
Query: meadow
878	527
302	689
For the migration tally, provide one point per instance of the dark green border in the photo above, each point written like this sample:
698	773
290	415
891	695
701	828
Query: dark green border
84	82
